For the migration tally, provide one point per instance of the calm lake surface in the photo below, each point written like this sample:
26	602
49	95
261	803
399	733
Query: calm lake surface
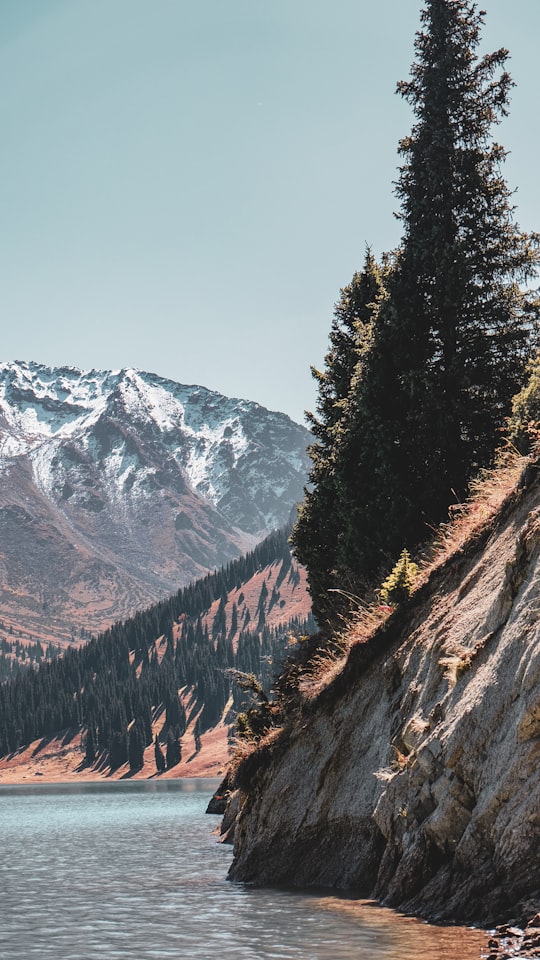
131	870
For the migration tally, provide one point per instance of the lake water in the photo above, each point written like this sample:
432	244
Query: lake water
131	870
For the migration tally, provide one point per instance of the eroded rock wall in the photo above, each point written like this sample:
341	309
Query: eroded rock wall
417	779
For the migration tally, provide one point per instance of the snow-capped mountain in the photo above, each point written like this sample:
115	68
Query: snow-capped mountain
117	487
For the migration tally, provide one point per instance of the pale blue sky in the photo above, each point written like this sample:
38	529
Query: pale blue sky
184	187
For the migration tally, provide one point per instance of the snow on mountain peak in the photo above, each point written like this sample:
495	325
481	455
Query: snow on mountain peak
119	486
232	452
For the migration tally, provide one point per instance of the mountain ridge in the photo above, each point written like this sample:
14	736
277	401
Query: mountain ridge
146	483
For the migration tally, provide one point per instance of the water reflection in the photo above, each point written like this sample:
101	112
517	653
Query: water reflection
130	870
185	785
412	939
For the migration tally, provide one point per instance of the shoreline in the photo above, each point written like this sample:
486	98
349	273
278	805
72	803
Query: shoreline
56	786
61	759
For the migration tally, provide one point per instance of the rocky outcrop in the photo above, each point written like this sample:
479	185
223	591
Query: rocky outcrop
508	941
414	776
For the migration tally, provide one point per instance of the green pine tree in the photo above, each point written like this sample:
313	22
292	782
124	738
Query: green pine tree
136	747
399	585
459	325
174	751
159	756
316	534
90	749
118	753
449	341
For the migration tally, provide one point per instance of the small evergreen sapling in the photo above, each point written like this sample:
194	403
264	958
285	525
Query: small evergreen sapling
397	587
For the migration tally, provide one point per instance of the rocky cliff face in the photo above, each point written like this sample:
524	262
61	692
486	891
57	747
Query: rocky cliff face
414	776
117	488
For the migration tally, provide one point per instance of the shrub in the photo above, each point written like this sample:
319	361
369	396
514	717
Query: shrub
523	427
398	587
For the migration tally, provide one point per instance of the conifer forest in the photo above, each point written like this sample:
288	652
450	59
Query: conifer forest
117	684
427	347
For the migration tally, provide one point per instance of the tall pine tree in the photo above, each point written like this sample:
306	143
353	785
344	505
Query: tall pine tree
450	340
460	322
316	533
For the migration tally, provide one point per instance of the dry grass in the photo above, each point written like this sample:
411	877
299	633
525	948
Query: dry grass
323	669
417	727
366	620
455	666
402	761
325	666
243	749
488	493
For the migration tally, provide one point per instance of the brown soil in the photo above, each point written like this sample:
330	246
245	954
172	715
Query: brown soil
62	759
